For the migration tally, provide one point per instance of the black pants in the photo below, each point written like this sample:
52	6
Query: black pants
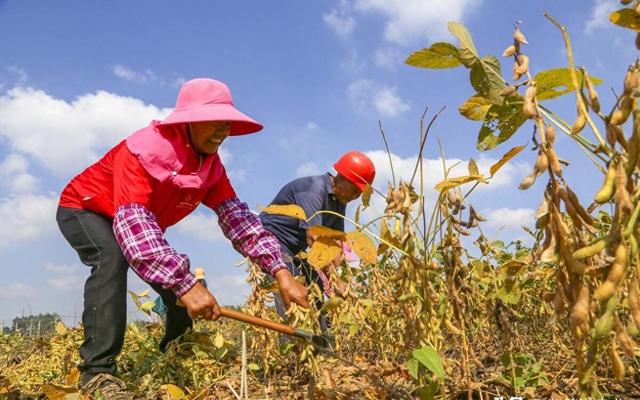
105	292
297	267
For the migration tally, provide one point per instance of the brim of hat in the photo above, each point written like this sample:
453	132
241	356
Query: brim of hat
241	124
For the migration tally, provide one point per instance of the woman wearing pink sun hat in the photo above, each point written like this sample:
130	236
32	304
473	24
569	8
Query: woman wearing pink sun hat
115	212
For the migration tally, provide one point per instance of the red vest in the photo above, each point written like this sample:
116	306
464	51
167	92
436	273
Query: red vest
156	168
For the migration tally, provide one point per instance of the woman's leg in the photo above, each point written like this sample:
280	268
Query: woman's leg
177	318
105	308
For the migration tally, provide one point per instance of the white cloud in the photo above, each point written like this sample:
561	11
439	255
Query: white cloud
312	126
355	64
67	136
387	102
178	81
365	94
21	75
13	170
433	173
229	289
389	57
505	179
201	226
237	175
359	93
225	156
137	77
509	218
307	169
26	217
340	20
14	291
410	22
600	15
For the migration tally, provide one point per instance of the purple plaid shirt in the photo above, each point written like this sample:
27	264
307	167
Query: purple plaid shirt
154	260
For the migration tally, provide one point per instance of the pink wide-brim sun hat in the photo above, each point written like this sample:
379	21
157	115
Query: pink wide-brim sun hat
204	99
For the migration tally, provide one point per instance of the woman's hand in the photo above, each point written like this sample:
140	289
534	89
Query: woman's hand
290	290
200	303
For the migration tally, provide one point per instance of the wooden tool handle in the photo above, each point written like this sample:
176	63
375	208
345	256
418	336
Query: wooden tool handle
287	330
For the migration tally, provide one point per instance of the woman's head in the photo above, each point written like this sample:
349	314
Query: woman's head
207	136
206	101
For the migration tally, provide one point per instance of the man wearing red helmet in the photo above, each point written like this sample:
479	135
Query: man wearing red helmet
317	193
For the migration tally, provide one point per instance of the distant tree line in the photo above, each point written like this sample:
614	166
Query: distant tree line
40	324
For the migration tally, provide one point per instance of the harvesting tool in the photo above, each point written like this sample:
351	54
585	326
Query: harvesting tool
318	342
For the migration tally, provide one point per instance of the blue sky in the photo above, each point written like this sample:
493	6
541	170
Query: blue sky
77	77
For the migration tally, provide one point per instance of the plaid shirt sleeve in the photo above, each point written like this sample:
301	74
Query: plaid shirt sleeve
248	236
148	252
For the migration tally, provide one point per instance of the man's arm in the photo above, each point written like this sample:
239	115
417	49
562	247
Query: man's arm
250	239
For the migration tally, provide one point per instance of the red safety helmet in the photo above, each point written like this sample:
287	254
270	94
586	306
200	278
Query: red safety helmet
357	168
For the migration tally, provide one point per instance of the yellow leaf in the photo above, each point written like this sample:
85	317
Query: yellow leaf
397	227
475	108
289	210
473	167
366	195
457	181
59	392
171	392
439	55
505	158
332	304
363	246
323	231
512	267
147	306
323	251
626	18
384	235
60	328
72	377
556	82
144	293
219	341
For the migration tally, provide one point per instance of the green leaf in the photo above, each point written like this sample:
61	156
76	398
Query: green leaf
467	52
412	366
503	119
486	78
429	357
486	75
440	55
626	18
509	292
475	108
505	159
253	367
428	392
557	82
